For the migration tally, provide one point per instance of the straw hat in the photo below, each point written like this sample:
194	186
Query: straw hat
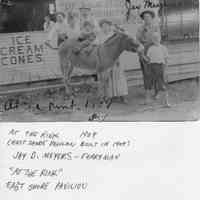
150	12
88	23
85	6
60	13
105	21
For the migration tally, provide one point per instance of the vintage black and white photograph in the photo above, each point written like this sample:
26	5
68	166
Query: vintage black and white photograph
99	60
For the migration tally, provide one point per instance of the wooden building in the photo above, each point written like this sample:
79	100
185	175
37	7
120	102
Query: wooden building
29	60
180	19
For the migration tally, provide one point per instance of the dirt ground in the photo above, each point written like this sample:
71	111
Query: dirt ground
49	106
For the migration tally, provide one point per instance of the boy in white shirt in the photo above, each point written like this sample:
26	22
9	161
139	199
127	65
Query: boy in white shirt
157	56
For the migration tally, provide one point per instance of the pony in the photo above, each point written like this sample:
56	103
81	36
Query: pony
99	59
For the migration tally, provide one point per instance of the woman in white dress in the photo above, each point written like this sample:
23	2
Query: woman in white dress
117	83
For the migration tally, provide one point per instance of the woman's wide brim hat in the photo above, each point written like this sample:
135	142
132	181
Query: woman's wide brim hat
150	12
60	13
85	6
88	23
105	21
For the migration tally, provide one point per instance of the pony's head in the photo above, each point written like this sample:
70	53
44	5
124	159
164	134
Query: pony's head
129	43
123	42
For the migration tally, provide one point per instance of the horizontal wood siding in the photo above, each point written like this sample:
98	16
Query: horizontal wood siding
48	68
184	62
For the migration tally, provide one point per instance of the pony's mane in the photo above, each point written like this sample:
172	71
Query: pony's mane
113	38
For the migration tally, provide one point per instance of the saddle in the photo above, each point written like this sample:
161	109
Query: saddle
84	44
84	47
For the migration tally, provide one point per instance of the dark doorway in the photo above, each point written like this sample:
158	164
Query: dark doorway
23	15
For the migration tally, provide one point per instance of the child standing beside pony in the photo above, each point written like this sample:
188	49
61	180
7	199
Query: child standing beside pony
157	58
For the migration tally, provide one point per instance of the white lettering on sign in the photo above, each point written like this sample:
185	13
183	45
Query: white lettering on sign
21	50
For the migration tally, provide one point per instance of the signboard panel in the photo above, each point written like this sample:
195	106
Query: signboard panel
25	57
21	49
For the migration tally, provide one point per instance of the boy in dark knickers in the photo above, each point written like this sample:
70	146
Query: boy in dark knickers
143	35
157	56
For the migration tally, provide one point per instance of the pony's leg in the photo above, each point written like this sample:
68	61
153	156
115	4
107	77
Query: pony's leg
106	101
68	72
101	92
166	99
65	73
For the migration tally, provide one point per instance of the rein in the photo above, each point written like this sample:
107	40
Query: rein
110	38
48	45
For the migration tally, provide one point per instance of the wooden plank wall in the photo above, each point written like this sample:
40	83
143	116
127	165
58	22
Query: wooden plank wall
183	63
24	44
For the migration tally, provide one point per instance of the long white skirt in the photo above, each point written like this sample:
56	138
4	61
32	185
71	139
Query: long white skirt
117	82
